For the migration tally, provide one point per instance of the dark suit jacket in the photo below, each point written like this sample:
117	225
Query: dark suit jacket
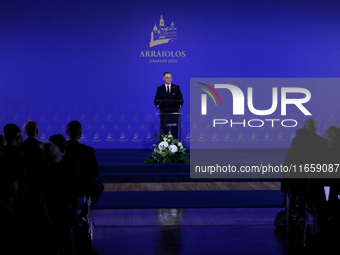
30	148
175	94
32	157
29	144
11	161
85	157
311	151
82	156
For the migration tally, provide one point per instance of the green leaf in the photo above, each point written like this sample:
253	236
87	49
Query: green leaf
149	160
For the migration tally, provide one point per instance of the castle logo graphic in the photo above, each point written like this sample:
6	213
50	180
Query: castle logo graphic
163	34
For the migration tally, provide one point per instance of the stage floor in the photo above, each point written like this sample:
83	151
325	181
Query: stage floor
159	213
130	183
191	186
127	166
202	231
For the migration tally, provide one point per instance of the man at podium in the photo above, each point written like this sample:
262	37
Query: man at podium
169	99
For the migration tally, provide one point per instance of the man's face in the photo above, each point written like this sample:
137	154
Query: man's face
167	78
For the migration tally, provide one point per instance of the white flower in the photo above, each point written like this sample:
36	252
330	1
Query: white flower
164	139
173	148
163	145
180	145
170	136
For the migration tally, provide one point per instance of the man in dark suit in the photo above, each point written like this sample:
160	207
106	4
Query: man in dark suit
169	91
10	158
30	150
306	148
87	162
31	144
31	130
12	137
320	142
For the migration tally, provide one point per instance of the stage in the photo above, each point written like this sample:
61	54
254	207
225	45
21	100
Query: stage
127	166
130	183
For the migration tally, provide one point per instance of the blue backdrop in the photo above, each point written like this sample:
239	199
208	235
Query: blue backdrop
92	61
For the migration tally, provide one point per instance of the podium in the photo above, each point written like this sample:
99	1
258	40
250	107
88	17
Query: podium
170	116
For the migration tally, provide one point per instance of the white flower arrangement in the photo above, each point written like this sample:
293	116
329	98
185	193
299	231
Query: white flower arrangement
163	145
173	148
169	150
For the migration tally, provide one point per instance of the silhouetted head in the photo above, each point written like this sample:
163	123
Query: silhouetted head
12	134
311	125
31	129
60	141
333	136
73	130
